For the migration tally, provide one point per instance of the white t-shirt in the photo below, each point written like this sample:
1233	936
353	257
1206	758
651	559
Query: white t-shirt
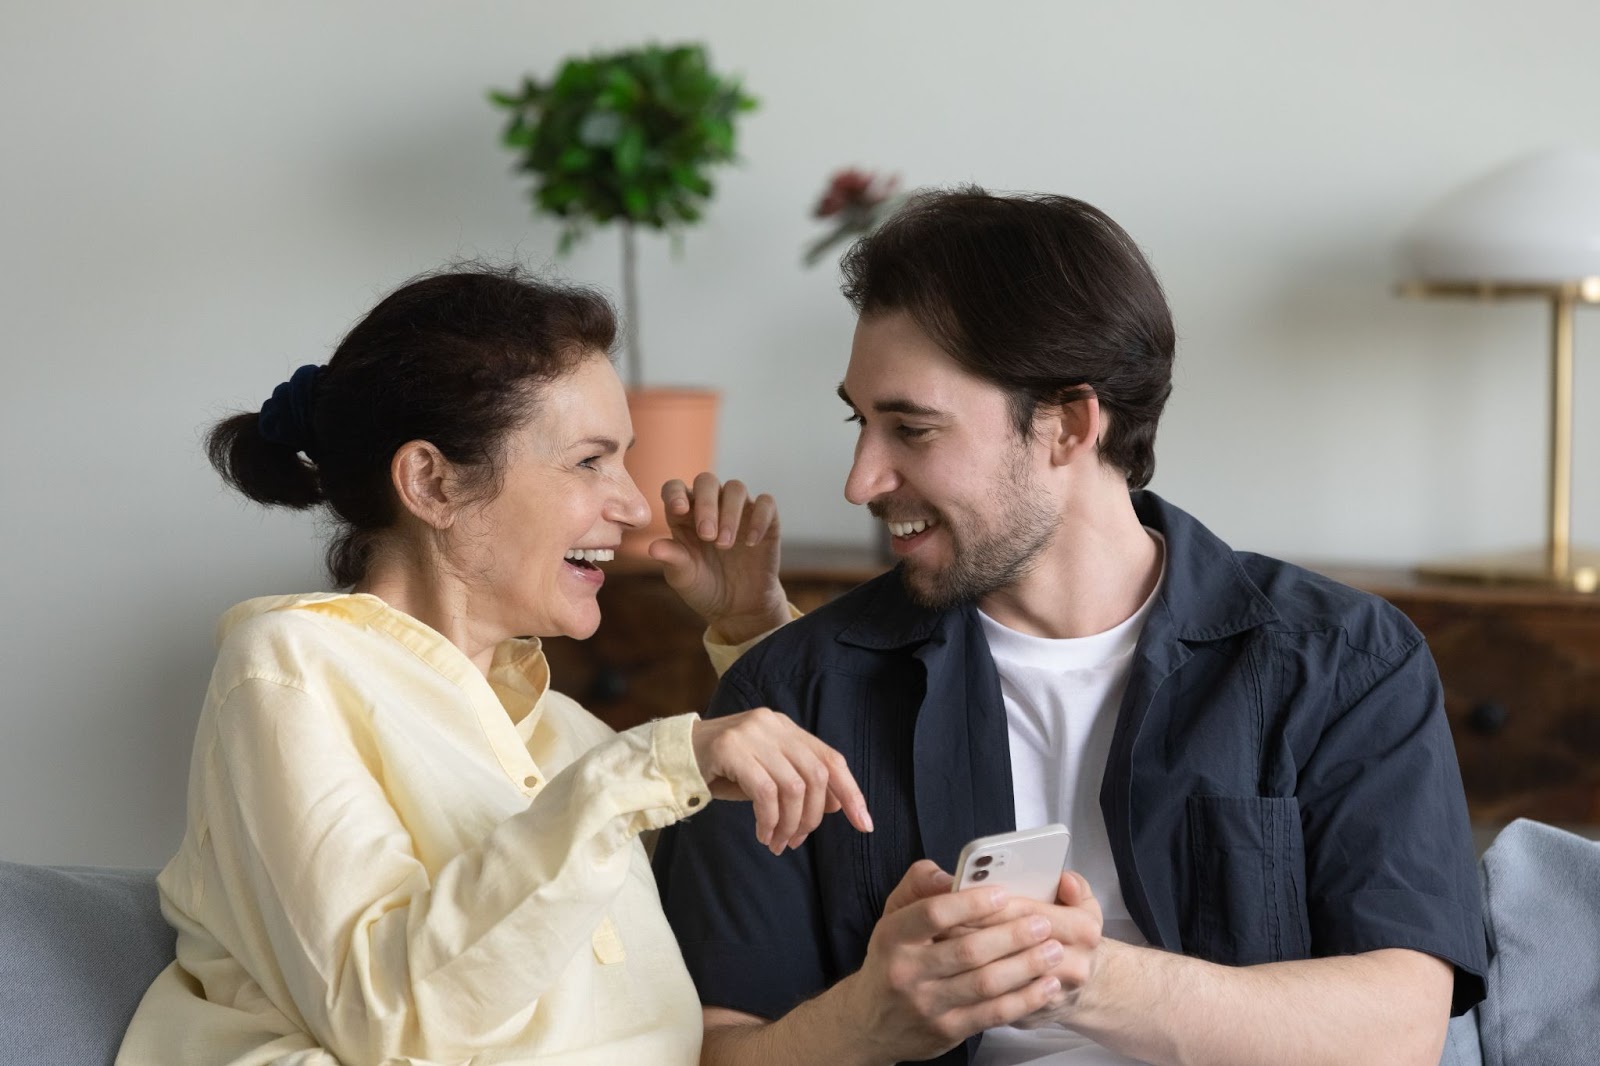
1061	699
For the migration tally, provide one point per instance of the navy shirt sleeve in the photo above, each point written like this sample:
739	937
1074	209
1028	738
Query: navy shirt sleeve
748	922
1390	861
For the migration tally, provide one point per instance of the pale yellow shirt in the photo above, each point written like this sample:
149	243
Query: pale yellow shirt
391	859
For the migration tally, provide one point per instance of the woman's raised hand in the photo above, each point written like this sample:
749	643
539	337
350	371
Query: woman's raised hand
790	776
722	557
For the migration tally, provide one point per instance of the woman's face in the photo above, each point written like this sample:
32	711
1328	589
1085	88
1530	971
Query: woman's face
564	491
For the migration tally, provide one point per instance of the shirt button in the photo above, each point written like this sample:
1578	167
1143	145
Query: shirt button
531	781
694	801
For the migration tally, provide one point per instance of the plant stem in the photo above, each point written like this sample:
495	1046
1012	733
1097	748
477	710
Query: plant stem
630	305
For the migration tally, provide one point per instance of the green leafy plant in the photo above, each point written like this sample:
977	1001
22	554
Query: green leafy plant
627	137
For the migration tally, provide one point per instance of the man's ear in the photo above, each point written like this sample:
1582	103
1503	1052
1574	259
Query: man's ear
425	483
1073	428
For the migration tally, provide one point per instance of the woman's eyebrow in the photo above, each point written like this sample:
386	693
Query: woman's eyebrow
605	445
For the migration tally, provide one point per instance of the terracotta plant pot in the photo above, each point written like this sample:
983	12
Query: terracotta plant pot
675	433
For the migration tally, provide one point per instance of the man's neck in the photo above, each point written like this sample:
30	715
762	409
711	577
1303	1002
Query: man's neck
1100	568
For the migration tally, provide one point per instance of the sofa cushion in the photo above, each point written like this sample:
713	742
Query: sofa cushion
1541	886
78	947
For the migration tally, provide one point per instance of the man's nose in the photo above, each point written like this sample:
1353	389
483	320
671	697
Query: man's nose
870	474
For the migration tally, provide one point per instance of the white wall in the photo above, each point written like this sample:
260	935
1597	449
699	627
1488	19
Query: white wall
196	197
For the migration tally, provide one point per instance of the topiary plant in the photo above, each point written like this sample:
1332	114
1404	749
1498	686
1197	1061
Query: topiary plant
625	137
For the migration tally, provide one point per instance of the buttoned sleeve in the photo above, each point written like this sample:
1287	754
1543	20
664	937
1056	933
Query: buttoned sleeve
1389	856
723	656
382	960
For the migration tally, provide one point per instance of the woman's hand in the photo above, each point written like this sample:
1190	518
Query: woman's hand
791	777
722	558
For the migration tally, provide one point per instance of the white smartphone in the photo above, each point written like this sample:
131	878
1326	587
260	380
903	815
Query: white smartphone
1025	863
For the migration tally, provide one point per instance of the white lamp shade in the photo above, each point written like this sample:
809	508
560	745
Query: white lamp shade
1536	220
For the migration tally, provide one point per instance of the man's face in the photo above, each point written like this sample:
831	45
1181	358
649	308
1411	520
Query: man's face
939	460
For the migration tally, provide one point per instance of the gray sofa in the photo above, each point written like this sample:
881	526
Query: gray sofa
78	947
1541	892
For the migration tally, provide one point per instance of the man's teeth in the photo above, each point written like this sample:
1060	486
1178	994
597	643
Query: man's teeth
906	529
591	555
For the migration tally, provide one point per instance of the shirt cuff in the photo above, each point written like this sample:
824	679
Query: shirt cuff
725	655
672	745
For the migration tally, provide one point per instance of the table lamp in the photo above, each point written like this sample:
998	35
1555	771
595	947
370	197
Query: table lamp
1529	230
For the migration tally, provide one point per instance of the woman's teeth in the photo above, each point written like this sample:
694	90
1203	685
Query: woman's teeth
591	555
907	529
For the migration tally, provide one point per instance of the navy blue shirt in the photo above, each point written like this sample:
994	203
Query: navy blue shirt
1281	784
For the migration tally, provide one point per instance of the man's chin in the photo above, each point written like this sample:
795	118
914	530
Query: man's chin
927	588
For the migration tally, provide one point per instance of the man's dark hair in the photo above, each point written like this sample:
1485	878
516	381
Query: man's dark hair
458	358
1044	296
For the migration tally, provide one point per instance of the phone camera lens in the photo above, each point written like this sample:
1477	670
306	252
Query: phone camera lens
983	860
980	875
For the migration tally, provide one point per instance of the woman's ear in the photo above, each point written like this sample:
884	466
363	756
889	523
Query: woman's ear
425	483
1073	428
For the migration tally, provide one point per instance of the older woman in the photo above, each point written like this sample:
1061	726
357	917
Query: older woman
402	845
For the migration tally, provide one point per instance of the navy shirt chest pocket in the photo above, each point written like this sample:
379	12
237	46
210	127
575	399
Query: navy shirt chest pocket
1248	858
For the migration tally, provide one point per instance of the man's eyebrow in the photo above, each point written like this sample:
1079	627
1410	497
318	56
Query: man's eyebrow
894	406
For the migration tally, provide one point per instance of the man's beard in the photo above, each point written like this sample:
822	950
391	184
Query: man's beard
982	561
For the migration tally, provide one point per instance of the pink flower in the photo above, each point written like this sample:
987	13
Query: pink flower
855	191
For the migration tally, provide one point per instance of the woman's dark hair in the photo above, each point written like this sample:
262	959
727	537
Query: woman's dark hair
455	358
1044	296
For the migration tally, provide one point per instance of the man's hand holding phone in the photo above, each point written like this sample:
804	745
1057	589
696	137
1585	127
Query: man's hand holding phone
1075	924
944	965
1030	864
946	961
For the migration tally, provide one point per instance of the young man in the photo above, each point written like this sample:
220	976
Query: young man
1271	855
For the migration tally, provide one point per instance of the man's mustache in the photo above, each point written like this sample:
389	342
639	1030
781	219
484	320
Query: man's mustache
891	510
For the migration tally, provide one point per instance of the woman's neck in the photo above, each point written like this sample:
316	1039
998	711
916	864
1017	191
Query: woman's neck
434	596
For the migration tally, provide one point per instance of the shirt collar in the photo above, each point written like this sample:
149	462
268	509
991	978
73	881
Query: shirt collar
1206	591
520	676
518	672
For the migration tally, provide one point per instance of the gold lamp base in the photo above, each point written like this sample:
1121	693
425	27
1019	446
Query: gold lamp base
1530	567
1557	564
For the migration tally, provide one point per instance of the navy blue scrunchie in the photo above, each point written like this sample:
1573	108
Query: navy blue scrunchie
286	417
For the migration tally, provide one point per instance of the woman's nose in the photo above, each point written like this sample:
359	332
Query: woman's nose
629	507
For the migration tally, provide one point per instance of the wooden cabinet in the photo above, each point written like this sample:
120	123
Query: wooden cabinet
1521	671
